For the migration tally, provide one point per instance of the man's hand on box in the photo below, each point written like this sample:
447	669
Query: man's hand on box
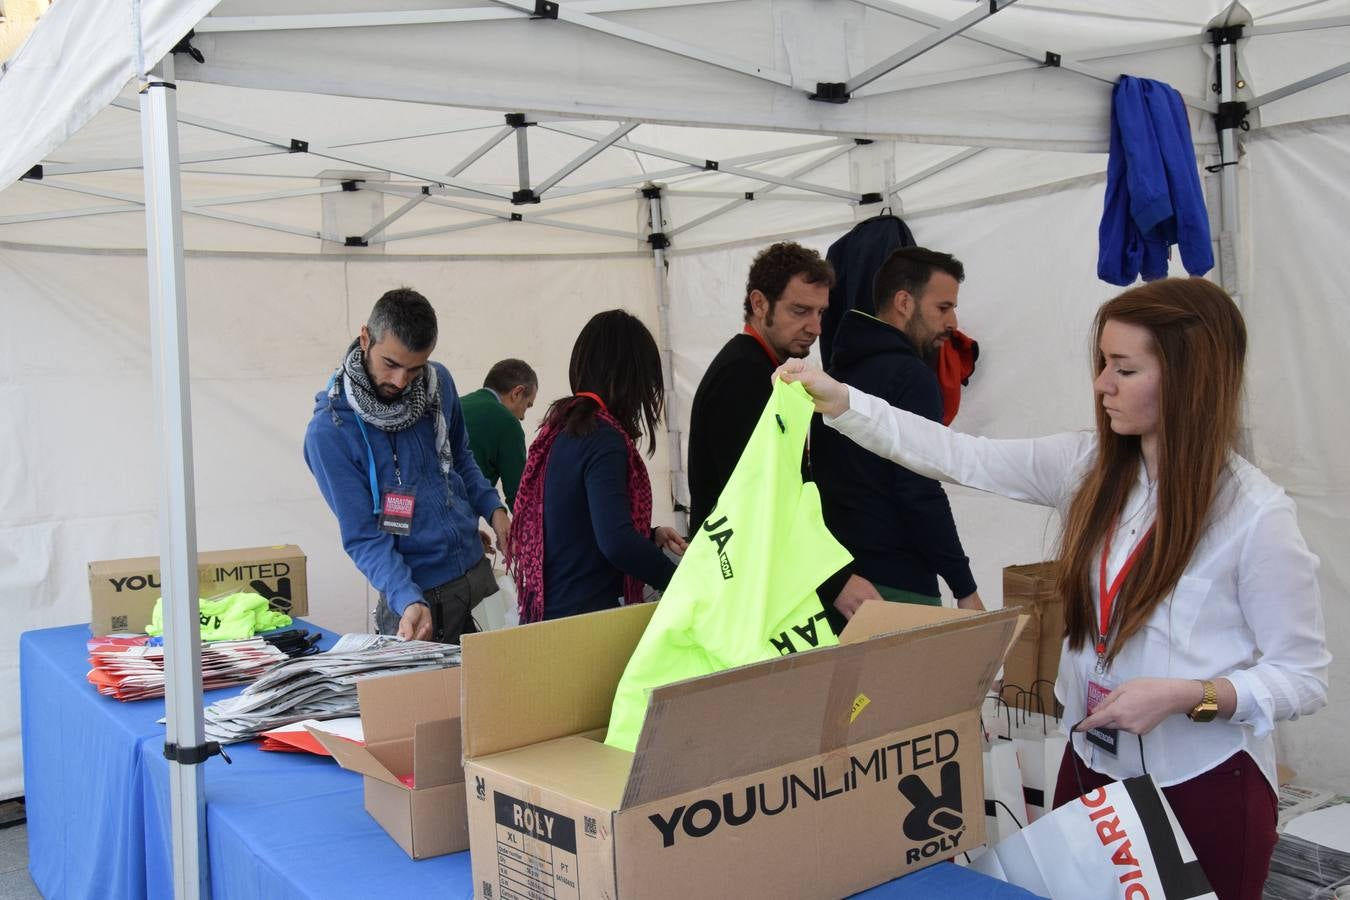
855	592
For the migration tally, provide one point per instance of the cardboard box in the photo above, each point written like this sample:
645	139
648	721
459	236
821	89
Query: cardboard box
816	774
1033	662
411	726
123	592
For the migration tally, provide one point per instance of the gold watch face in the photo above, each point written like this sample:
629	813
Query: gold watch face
1204	712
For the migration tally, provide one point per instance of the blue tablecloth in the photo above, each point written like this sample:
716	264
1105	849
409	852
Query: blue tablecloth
291	825
280	825
82	770
283	825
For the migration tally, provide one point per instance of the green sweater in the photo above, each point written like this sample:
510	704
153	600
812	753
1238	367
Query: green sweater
497	440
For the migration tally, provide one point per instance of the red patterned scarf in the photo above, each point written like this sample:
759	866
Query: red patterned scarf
527	528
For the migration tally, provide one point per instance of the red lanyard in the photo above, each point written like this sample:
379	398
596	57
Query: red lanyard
595	397
1108	594
768	351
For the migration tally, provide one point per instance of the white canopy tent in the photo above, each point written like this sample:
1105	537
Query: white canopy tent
513	160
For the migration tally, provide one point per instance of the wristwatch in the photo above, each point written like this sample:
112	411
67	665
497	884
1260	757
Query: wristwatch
1208	707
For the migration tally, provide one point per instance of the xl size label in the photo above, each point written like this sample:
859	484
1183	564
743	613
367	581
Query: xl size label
536	851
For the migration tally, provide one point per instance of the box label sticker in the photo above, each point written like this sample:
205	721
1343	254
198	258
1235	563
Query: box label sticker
536	851
859	705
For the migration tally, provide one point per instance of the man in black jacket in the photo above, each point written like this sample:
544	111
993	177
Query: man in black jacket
786	294
897	524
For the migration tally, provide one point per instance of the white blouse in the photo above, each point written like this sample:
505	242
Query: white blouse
1248	607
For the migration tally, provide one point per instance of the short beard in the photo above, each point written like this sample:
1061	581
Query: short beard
379	388
926	349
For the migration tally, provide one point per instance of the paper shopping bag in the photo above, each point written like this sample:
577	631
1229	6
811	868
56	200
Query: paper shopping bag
1118	841
1004	810
1039	742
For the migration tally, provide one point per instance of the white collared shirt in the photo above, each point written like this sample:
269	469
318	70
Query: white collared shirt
1247	608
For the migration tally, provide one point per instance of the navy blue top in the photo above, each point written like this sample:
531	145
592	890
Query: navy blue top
897	524
590	543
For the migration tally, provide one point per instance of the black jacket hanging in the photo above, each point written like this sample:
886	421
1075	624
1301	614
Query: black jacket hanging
856	257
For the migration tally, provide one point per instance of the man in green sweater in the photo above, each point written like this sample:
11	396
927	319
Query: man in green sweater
493	415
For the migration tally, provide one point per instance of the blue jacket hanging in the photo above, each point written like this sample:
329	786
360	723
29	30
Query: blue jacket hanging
1153	193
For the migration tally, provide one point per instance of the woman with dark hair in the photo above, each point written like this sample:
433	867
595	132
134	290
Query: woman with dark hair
582	538
1193	617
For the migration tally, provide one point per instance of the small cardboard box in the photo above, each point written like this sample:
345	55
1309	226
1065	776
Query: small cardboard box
411	726
123	592
816	774
1030	589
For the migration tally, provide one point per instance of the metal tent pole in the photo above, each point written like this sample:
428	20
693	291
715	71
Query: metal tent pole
1227	121
659	242
183	734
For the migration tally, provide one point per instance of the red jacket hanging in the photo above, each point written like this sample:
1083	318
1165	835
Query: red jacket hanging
955	364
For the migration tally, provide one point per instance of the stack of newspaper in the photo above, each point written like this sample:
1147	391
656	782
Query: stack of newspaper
1310	858
130	671
322	686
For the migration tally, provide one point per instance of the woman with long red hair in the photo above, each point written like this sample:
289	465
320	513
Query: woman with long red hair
1193	617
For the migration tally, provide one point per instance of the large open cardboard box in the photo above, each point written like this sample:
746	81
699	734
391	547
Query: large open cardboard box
816	774
411	727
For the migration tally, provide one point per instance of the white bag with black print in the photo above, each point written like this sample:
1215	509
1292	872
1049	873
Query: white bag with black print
1118	842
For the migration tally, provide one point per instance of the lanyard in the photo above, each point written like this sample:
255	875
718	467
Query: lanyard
596	397
768	351
393	449
370	465
1108	594
370	456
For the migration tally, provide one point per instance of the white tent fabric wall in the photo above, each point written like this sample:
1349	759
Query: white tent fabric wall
265	332
1034	334
1298	323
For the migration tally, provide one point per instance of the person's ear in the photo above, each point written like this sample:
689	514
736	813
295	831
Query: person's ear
365	339
759	304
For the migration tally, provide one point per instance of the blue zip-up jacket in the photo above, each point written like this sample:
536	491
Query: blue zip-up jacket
444	542
1153	193
897	524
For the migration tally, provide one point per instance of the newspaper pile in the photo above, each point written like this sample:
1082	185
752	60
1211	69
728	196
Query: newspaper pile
130	671
322	686
1307	863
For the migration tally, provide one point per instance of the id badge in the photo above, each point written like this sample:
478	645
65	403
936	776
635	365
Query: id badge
1099	686
396	509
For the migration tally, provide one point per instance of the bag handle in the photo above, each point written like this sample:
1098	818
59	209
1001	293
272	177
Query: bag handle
1077	773
998	699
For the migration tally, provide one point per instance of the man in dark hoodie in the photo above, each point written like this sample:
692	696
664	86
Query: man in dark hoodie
897	524
388	447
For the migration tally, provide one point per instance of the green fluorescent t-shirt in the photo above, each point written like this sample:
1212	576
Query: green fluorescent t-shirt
746	588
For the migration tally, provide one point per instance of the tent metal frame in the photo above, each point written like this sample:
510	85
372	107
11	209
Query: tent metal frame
184	733
299	22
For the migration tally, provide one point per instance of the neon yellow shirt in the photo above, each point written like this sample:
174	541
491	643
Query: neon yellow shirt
746	588
231	618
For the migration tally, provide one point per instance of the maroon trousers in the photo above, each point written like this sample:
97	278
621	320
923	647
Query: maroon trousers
1228	814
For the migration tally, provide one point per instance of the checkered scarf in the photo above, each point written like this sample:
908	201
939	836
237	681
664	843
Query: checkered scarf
422	398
